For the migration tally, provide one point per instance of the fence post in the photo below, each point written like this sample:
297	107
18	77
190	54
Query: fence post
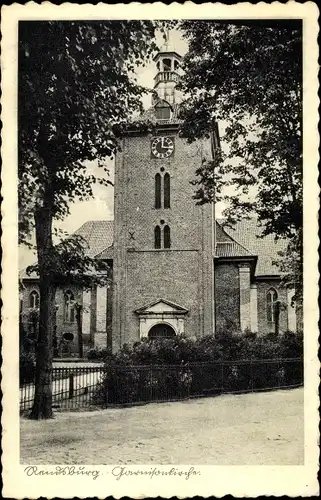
71	386
252	382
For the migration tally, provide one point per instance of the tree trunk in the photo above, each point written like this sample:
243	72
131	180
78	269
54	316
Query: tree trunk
42	405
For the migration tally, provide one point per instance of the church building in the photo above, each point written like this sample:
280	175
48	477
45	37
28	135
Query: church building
174	268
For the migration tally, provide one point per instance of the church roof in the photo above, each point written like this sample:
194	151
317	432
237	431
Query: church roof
247	233
243	240
228	247
99	235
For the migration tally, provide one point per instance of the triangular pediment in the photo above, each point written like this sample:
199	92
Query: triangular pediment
162	306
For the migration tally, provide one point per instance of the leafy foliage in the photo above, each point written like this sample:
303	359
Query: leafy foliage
76	92
97	353
77	89
70	263
175	368
209	348
27	365
27	360
290	263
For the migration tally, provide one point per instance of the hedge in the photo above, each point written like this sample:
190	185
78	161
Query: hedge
152	370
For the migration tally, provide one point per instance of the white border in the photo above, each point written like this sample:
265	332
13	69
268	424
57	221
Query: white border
218	481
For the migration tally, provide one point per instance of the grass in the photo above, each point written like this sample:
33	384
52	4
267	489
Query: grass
245	429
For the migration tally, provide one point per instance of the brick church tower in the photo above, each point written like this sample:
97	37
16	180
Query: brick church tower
163	241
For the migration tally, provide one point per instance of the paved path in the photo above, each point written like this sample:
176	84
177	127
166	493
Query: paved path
247	429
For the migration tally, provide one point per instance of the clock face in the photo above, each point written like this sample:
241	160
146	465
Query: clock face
162	147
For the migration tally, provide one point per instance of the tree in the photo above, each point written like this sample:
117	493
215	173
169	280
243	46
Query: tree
76	92
248	74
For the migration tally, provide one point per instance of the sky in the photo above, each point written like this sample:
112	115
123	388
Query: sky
101	207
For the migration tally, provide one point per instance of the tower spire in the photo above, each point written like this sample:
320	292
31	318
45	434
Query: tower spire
167	63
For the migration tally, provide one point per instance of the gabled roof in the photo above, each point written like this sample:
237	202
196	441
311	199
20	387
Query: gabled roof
240	241
231	249
247	233
99	235
227	246
108	253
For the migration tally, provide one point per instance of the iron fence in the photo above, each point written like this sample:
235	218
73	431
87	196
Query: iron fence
114	385
71	387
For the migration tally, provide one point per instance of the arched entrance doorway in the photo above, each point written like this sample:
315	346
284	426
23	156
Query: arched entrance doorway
161	330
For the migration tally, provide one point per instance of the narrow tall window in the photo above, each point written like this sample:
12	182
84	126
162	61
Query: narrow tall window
157	237
167	237
271	299
69	311
157	191
34	300
167	191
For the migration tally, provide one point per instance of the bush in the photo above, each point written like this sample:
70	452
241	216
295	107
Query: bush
128	384
291	345
26	339
156	369
27	367
98	354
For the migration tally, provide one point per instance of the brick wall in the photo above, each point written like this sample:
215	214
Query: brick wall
245	296
101	340
30	286
61	325
101	308
227	296
169	275
141	273
299	318
95	323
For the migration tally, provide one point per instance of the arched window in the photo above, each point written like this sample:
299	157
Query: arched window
34	300
271	299
157	237
69	311
167	237
157	191
167	191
